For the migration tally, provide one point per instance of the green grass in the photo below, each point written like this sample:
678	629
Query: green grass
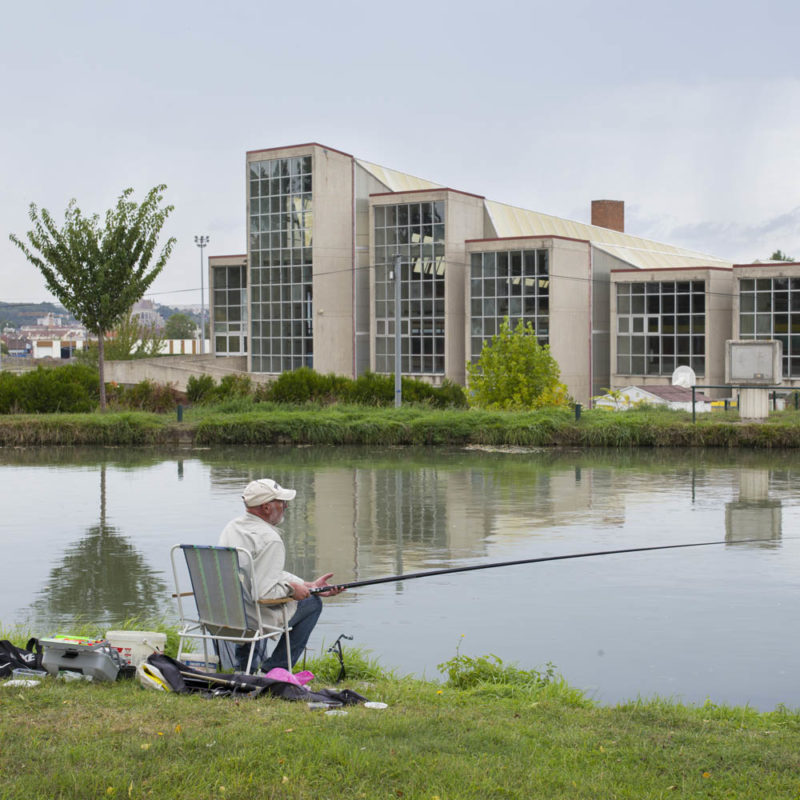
236	422
491	730
492	739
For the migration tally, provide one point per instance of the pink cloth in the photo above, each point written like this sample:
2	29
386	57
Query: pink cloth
299	678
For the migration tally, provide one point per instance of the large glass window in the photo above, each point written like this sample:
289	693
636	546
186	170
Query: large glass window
513	284
281	225
661	326
769	308
230	310
415	232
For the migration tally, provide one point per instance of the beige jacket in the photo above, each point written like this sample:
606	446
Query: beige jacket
263	542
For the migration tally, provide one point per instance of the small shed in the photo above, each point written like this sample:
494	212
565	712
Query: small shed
678	397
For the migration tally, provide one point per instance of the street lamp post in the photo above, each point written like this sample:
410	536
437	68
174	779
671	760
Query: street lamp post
201	242
398	380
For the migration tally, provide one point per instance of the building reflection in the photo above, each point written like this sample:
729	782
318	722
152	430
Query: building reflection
101	579
754	515
362	521
367	520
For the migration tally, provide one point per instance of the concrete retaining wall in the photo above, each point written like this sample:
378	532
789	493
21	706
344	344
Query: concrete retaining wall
177	370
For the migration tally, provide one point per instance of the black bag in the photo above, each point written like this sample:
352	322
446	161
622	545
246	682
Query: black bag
13	657
183	679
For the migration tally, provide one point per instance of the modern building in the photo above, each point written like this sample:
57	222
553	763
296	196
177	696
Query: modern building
228	304
766	305
329	231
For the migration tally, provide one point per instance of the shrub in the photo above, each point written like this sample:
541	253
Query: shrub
200	388
371	389
467	672
146	395
514	372
68	389
304	385
233	385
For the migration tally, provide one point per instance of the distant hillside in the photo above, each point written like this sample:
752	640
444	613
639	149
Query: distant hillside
17	314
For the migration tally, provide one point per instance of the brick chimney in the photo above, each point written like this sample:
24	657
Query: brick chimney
609	214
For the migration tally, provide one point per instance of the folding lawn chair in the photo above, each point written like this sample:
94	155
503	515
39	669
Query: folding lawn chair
222	581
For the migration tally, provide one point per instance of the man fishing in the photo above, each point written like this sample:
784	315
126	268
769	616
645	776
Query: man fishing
256	531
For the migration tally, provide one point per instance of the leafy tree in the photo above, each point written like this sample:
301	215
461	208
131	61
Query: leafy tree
779	255
99	269
129	339
179	326
514	372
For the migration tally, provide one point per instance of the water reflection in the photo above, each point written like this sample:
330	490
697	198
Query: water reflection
754	515
101	578
666	623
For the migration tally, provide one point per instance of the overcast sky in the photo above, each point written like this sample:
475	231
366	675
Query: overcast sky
687	111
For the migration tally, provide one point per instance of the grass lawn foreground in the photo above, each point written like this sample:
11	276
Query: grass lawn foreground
442	741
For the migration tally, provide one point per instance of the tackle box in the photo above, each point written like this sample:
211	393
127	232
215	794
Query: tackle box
94	658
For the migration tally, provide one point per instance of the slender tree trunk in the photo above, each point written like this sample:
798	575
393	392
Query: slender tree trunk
101	367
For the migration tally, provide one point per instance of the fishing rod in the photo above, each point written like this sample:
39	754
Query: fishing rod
412	575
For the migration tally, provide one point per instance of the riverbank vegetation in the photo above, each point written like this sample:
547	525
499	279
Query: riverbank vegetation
244	422
488	731
58	406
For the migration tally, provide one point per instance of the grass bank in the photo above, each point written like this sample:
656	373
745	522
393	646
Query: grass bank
498	738
248	423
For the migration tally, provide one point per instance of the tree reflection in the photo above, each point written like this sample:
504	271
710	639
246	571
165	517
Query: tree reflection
101	579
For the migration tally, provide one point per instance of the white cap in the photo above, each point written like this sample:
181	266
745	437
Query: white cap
256	493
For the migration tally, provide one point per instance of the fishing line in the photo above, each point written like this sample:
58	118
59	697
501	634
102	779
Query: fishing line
412	575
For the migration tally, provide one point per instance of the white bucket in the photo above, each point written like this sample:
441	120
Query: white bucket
135	646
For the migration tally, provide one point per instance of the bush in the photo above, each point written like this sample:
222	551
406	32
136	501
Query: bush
515	373
304	385
73	388
467	672
233	385
371	389
146	395
200	388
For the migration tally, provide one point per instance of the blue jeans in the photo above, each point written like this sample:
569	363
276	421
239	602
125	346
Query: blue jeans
302	623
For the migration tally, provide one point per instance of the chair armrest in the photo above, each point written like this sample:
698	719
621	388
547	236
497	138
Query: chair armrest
274	601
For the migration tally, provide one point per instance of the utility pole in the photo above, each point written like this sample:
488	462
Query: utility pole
398	382
201	242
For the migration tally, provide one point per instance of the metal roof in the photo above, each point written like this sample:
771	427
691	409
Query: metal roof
510	221
396	181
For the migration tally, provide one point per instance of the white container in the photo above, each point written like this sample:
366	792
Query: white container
135	646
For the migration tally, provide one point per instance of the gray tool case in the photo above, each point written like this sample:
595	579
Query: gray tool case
97	660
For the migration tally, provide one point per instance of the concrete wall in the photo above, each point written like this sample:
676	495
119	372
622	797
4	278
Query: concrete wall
366	184
334	262
464	220
177	370
570	317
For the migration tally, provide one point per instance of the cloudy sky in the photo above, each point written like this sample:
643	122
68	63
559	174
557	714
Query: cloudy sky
688	111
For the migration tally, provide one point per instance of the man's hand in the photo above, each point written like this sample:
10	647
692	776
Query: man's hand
300	591
323	581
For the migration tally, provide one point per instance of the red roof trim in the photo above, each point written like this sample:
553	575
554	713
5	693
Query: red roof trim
520	238
777	264
670	269
423	191
297	147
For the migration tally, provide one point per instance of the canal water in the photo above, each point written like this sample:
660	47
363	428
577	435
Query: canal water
86	535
